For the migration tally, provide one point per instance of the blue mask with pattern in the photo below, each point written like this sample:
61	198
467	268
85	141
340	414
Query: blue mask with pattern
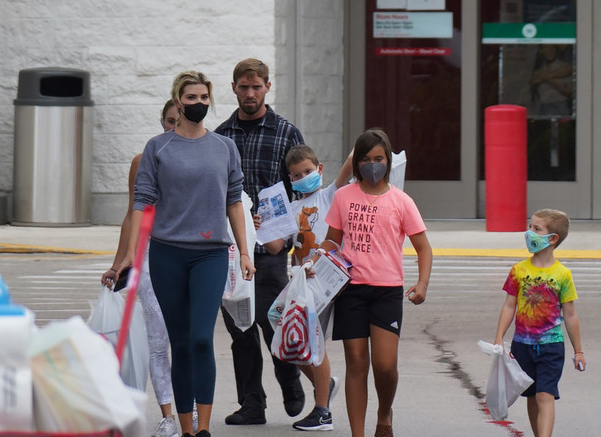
536	242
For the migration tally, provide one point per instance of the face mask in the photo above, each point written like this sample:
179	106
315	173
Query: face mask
373	172
196	113
535	242
308	184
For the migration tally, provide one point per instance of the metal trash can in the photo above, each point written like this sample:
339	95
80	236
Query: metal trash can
53	148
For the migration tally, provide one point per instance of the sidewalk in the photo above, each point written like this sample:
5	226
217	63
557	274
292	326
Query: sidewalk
448	238
442	373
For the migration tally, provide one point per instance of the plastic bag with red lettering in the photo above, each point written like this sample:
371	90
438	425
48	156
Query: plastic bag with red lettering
239	294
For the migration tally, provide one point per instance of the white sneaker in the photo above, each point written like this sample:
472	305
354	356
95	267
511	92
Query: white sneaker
334	387
166	428
194	418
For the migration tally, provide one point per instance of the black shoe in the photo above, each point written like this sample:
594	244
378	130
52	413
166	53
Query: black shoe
246	416
317	420
203	433
294	399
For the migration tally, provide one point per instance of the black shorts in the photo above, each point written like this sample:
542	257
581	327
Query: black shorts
361	305
543	363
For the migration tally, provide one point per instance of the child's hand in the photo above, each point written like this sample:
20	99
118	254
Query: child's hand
308	265
257	221
500	343
308	268
417	293
579	362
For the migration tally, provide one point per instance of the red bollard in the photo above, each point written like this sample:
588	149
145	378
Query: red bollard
506	170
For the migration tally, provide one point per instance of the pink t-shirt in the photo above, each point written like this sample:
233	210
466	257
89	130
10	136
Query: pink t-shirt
374	228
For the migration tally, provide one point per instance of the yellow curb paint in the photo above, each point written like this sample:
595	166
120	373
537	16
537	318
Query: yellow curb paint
506	253
24	248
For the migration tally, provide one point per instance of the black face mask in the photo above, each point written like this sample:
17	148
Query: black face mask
196	112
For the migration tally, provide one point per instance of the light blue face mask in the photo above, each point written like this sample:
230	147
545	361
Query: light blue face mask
308	184
536	242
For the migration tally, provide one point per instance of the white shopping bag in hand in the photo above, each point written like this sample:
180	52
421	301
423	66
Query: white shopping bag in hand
106	318
298	337
239	294
506	379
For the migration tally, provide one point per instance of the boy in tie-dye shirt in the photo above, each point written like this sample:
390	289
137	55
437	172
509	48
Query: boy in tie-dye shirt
541	295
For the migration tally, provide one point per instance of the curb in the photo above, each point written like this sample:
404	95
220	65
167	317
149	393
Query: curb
506	253
24	248
450	252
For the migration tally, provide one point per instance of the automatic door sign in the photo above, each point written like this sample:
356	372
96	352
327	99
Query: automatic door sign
295	334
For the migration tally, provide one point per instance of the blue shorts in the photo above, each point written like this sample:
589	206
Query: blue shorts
543	363
360	305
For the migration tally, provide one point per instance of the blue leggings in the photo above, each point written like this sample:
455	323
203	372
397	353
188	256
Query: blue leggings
189	285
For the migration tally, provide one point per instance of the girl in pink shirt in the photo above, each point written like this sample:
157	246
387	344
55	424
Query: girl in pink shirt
370	219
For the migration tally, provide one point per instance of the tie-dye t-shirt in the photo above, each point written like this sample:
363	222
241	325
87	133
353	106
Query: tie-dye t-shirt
540	293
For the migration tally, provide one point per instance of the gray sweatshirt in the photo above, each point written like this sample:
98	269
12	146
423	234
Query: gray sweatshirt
191	182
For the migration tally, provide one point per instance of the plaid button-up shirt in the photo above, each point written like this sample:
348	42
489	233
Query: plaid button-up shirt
263	152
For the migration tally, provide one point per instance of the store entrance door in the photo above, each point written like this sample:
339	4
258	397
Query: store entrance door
414	87
530	56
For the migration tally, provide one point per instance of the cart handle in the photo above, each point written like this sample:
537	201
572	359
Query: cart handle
134	279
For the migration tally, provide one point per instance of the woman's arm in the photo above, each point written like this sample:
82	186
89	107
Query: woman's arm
235	212
134	231
125	232
421	244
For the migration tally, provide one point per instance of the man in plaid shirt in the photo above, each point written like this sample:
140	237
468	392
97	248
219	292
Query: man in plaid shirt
263	139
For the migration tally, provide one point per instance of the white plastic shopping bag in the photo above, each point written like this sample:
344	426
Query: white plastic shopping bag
397	170
506	379
298	337
106	318
325	316
277	307
16	403
239	294
76	383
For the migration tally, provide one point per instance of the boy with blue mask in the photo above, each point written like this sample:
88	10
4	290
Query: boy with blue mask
541	295
305	172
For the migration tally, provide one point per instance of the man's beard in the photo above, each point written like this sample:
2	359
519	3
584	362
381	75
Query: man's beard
253	108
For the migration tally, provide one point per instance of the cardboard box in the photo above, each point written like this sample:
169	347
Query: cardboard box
331	276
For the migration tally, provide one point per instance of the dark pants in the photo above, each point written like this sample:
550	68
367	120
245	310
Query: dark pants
189	285
271	277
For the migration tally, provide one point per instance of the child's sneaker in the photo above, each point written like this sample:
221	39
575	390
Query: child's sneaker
166	428
317	420
334	387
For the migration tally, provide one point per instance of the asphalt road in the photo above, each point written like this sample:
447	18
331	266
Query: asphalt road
442	372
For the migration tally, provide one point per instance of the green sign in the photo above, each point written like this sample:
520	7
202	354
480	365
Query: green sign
528	33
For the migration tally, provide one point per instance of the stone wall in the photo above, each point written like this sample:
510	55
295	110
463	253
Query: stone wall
134	49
